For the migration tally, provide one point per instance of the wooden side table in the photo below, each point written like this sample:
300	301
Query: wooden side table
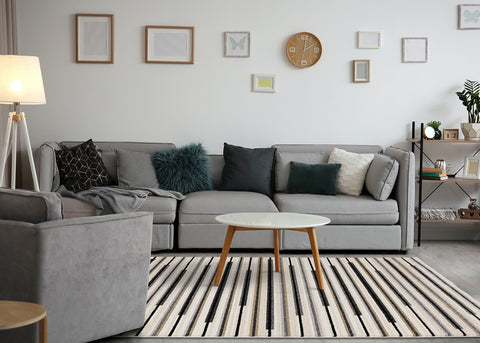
15	314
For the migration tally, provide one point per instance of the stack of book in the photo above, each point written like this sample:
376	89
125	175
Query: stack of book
433	174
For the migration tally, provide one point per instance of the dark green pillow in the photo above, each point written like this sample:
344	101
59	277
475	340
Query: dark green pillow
184	170
313	178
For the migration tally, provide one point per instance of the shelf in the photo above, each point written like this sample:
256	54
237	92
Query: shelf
456	221
451	180
450	141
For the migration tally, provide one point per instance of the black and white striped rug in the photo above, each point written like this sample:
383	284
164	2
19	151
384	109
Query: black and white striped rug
363	297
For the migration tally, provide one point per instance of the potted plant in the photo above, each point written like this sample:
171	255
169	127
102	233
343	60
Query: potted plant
470	98
436	124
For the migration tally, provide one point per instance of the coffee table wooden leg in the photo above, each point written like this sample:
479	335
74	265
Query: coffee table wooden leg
225	250
316	256
43	330
276	244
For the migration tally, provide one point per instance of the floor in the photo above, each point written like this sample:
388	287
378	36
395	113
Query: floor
458	261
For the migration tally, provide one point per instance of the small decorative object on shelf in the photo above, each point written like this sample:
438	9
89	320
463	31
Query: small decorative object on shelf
473	205
428	132
465	213
471	169
450	134
436	124
470	98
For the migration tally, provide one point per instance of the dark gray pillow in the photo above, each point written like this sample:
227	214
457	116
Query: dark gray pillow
381	176
248	169
135	169
313	178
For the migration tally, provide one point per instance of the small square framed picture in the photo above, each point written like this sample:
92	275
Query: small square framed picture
415	50
368	40
450	134
94	38
169	44
471	169
237	44
361	70
469	17
263	83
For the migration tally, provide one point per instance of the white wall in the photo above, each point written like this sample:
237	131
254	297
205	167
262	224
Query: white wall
211	101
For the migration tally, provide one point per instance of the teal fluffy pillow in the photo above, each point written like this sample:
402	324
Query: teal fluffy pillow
183	170
313	178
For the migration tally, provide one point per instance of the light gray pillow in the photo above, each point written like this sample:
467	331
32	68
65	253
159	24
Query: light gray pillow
381	176
135	169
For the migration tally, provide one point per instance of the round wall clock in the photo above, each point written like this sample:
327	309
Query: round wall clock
304	49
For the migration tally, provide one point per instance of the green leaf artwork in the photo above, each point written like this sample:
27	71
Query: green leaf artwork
235	44
471	17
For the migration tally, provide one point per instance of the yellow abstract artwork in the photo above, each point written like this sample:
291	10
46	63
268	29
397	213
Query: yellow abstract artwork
265	83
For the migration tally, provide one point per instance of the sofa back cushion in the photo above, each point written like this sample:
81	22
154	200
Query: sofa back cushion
311	154
109	157
28	206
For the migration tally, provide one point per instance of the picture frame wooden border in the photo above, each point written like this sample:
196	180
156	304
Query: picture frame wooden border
471	23
415	50
230	46
94	44
268	85
471	168
451	134
177	48
361	74
369	40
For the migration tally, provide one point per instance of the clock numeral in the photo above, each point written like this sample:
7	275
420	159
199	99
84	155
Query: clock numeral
304	62
316	49
304	37
292	49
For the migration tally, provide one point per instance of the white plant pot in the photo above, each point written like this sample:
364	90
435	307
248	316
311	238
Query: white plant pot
471	131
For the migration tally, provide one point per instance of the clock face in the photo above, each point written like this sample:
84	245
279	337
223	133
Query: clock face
304	49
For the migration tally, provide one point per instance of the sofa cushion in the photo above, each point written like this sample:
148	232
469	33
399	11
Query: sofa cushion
164	209
341	209
135	169
203	207
313	178
381	176
184	170
81	167
282	165
248	169
351	177
29	206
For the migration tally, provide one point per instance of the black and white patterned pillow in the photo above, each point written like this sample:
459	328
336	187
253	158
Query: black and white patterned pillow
81	167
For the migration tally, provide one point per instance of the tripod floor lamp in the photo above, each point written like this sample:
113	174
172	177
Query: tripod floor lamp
20	83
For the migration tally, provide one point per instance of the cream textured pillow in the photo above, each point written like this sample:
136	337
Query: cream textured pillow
351	176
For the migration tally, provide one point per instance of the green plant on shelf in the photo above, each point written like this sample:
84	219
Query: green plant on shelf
470	98
435	124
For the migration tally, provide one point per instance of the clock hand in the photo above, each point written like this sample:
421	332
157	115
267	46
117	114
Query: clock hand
305	49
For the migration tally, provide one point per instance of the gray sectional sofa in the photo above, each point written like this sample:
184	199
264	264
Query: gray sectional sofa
357	222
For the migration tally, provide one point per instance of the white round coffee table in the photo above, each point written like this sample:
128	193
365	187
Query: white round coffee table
271	221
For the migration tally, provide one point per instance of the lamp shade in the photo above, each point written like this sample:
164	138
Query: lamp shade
21	80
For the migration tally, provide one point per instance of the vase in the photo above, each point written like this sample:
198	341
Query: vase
471	131
438	134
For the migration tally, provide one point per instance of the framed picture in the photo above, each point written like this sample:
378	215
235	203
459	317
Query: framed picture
414	50
263	83
368	40
471	168
94	35
237	44
169	44
469	17
361	70
450	134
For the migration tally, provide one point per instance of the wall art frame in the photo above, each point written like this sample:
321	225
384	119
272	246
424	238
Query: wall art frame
236	44
469	17
169	44
471	168
415	50
264	83
361	71
369	40
94	38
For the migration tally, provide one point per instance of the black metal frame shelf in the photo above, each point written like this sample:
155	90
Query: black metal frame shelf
418	143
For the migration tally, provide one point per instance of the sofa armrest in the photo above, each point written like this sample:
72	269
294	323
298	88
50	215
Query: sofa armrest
91	270
46	166
404	193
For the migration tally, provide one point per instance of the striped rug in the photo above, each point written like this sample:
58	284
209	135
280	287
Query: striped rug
363	297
